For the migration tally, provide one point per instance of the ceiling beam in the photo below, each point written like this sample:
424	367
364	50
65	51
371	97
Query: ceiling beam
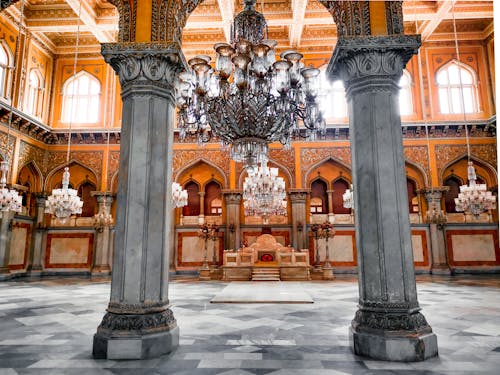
427	28
88	17
297	25
227	12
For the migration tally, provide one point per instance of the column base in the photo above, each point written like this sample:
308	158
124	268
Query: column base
328	273
204	274
441	270
139	347
408	347
34	272
148	333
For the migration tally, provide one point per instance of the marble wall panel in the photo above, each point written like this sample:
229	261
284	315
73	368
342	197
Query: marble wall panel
69	250
472	247
19	245
191	249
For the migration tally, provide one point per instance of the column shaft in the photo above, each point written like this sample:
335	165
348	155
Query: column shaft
101	264
299	234
35	261
5	235
388	324
232	238
138	322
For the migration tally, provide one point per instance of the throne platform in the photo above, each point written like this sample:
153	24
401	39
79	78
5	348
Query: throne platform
266	260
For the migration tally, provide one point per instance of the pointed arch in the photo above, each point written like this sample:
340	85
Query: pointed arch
36	173
81	91
419	174
6	69
49	183
343	166
489	173
287	176
184	169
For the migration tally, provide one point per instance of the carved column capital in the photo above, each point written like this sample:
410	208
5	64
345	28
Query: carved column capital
103	197
142	65
298	195
434	194
372	62
435	215
232	196
40	199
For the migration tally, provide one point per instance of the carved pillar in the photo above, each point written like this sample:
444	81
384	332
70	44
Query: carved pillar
298	199
35	261
436	219
103	234
201	219
139	323
5	236
388	324
232	232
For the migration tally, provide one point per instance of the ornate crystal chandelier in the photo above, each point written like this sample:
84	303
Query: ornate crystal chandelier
264	193
348	198
474	198
249	99
10	200
65	202
179	195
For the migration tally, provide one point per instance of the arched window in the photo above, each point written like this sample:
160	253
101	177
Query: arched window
212	194
339	188
81	99
333	103
193	206
5	70
450	89
319	197
449	199
405	94
89	202
412	196
33	99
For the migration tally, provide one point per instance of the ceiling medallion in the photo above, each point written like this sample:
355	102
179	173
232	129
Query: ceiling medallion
249	100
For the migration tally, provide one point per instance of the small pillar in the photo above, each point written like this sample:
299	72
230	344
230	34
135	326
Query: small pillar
201	218
232	232
436	219
331	214
35	261
5	236
103	235
388	324
298	198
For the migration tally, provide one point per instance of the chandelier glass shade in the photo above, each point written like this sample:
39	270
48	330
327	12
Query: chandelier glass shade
64	202
179	195
348	198
474	198
248	99
10	200
264	193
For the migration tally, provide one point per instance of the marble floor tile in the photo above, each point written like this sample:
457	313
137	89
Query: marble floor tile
46	327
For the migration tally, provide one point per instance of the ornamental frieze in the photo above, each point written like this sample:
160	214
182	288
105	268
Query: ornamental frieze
448	153
6	151
219	158
30	153
310	157
113	165
89	159
418	155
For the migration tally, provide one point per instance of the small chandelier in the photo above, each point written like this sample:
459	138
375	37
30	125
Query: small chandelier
348	198
474	198
249	100
10	200
179	195
264	193
64	202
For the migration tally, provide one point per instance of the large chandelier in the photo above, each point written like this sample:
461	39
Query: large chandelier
64	202
249	99
179	195
10	200
264	193
474	198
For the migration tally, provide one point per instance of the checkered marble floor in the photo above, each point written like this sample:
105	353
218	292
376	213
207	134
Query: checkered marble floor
46	327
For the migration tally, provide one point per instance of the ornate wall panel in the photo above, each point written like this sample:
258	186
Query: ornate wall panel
418	155
169	18
127	10
113	165
90	159
352	18
312	156
183	158
448	153
29	153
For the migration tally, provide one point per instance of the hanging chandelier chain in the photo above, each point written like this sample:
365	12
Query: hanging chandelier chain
462	98
75	60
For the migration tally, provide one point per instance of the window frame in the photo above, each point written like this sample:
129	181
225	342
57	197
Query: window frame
68	100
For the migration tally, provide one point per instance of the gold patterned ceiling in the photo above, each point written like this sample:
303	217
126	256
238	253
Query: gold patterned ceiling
302	24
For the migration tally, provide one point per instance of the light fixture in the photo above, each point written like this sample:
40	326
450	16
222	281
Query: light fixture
179	195
10	200
249	99
348	198
64	202
264	193
473	198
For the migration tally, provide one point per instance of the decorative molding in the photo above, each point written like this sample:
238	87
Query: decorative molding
419	156
447	153
389	321
310	157
394	17
137	324
352	18
219	158
169	19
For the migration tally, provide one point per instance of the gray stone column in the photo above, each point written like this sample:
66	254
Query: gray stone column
35	261
139	323
232	232
5	236
436	219
298	199
103	235
388	324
